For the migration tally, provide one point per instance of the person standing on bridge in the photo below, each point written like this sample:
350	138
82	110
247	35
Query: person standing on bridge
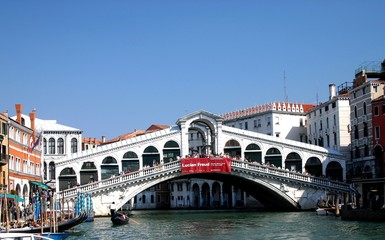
112	208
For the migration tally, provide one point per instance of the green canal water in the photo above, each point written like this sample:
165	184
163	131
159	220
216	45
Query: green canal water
222	225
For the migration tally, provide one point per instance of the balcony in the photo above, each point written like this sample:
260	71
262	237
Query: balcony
3	159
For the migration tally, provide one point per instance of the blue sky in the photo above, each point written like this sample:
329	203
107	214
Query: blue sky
110	67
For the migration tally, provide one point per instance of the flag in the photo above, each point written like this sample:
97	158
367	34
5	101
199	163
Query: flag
31	148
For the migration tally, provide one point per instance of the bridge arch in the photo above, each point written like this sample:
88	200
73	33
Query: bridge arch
313	167
253	153
334	171
293	162
67	178
109	167
88	173
171	150
233	149
130	162
151	156
273	157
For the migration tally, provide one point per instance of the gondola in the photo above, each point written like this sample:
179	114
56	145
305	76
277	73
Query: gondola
119	219
63	226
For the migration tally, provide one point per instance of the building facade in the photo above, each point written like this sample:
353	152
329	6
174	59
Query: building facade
56	141
4	152
328	122
25	163
365	168
283	120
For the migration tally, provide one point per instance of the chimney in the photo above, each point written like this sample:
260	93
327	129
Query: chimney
32	116
332	91
19	108
103	139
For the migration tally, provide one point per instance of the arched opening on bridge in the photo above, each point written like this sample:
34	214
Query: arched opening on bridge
201	137
379	156
216	194
334	171
130	162
67	179
52	171
313	167
88	173
109	167
293	162
273	157
253	153
196	196
151	156
206	200
171	151
233	149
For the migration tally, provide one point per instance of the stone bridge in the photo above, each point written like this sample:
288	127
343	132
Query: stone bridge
276	189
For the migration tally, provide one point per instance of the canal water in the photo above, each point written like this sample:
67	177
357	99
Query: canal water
223	225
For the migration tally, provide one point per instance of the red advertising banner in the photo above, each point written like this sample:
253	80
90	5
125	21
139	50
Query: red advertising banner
206	165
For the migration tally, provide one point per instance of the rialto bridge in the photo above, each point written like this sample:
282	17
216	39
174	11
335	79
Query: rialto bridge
281	174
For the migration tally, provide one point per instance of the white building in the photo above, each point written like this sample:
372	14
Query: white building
283	120
57	141
328	123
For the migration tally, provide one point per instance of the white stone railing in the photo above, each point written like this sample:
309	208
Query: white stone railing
122	179
175	166
287	174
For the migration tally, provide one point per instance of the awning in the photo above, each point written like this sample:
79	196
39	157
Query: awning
40	185
12	197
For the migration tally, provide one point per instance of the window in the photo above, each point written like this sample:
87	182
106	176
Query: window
268	121
74	145
383	109
60	146
45	146
51	146
326	108
377	132
376	111
246	125
355	111
240	125
301	122
365	129
334	120
327	122
255	123
191	136
363	90
356	132
333	104
364	106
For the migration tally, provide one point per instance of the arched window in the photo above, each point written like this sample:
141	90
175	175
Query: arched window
364	106
74	145
45	146
60	146
355	111
51	146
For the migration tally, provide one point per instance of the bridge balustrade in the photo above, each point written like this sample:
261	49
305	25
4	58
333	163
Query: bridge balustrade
151	172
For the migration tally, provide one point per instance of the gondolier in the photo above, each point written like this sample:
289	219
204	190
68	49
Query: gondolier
112	208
